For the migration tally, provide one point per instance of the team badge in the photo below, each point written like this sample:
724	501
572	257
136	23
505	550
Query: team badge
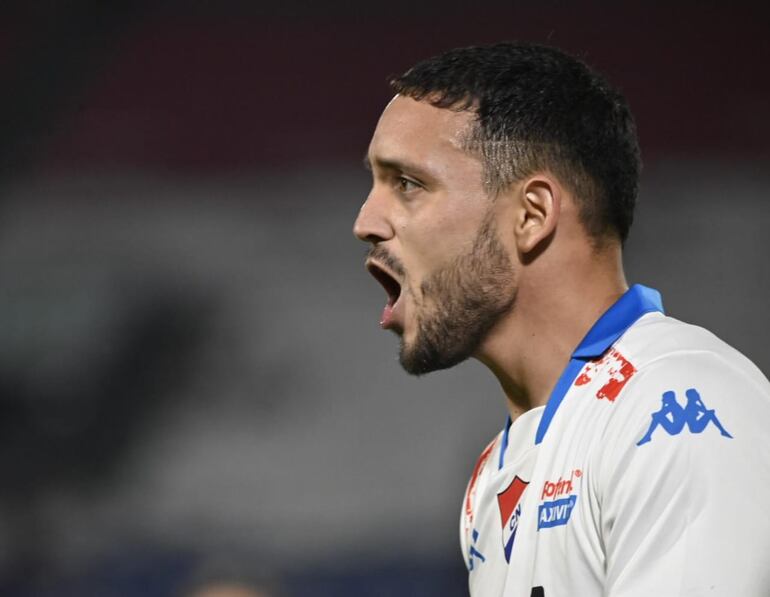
674	417
509	501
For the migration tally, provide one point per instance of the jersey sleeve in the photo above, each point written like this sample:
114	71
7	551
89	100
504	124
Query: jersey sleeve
684	481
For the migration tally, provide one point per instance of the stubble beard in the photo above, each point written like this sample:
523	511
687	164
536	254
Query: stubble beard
460	304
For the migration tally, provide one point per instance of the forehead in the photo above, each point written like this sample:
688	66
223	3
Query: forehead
416	130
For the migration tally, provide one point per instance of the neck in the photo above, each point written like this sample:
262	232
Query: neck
529	347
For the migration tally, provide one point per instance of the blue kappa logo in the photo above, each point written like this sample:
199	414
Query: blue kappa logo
673	417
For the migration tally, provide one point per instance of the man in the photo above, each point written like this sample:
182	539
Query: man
636	458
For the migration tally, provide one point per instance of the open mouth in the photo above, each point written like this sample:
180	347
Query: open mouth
392	288
389	283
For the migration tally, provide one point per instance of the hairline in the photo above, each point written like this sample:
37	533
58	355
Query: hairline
474	140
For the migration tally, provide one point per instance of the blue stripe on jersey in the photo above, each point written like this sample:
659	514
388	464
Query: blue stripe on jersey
574	367
637	301
504	443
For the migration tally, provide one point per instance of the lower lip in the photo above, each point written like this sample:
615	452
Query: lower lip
390	315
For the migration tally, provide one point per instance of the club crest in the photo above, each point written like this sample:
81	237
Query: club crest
509	502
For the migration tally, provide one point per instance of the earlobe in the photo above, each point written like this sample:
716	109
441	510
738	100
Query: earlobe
540	205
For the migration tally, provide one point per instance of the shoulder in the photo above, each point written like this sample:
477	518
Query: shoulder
480	473
656	336
485	457
690	390
668	355
683	458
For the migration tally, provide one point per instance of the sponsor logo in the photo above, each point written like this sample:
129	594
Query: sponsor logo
673	417
509	502
612	370
556	513
557	510
563	486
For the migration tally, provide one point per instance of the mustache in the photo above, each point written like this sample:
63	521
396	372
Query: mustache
380	253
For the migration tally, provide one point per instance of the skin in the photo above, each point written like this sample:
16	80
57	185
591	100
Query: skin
425	210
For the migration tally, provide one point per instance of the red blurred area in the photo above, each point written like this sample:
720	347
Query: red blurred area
220	92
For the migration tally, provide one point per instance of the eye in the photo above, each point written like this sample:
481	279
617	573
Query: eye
407	185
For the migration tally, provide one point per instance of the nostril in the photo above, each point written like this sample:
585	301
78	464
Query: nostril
362	233
371	230
372	238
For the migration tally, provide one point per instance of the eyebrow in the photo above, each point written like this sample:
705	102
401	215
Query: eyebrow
397	166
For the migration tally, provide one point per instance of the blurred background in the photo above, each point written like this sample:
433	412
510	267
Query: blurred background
194	391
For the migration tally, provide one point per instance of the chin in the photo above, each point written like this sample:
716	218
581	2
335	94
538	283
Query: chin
419	358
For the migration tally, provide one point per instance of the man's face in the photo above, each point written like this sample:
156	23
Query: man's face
434	236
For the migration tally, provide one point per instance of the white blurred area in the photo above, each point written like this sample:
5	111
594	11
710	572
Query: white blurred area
274	417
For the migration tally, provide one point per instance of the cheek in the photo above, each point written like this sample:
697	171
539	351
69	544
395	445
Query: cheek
438	243
436	229
426	255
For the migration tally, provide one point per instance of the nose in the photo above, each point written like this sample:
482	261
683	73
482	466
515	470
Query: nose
372	224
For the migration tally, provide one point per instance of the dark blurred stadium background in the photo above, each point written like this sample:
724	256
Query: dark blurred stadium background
193	384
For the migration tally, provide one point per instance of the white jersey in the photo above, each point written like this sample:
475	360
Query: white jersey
646	473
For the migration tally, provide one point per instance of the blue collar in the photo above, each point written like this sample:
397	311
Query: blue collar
637	301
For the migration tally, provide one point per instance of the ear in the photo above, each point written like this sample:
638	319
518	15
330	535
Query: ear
539	199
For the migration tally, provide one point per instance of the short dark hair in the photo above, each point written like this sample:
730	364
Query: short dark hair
539	109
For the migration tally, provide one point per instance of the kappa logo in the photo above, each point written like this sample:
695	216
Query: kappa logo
674	417
557	511
510	511
613	370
